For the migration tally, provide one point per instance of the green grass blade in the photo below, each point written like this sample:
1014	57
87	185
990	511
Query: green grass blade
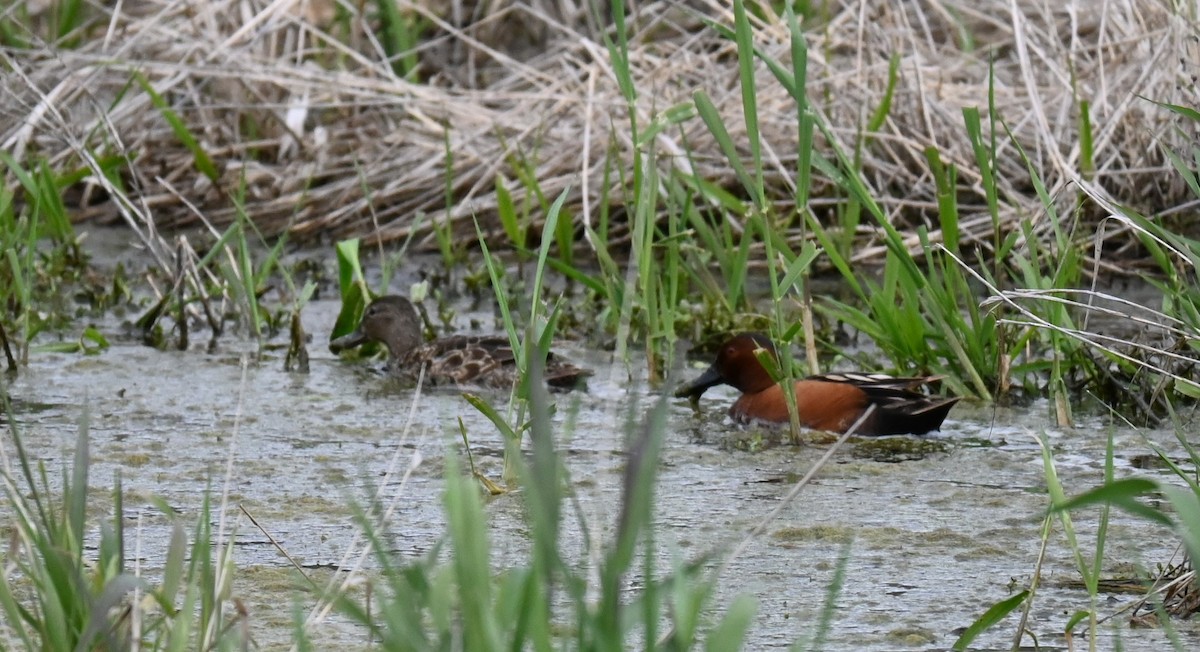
398	35
829	608
745	50
495	273
506	209
493	415
619	52
946	181
885	103
1186	504
352	287
544	485
1123	493
548	230
730	632
993	615
469	537
200	157
1185	111
716	126
1087	157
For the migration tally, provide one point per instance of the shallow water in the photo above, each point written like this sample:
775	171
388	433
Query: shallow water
941	527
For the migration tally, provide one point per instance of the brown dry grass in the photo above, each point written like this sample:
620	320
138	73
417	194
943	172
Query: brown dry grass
332	143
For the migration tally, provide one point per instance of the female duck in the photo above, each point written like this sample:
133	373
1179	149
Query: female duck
485	360
830	402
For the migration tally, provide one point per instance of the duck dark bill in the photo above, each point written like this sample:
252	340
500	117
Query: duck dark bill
695	389
348	341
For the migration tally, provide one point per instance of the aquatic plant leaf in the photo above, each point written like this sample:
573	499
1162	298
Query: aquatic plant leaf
548	230
349	266
1186	504
57	347
799	265
730	633
351	286
470	560
1187	388
1074	620
93	341
99	626
495	273
489	485
993	615
575	274
173	568
1121	493
832	591
492	415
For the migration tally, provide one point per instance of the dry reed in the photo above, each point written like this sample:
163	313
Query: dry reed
306	111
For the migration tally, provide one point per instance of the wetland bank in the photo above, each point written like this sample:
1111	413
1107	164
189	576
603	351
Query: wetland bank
918	189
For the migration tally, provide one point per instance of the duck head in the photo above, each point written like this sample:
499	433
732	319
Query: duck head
390	320
737	364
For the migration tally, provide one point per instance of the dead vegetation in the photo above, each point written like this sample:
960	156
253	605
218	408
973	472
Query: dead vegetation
297	101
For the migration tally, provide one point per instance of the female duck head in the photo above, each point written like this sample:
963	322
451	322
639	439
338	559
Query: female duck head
391	321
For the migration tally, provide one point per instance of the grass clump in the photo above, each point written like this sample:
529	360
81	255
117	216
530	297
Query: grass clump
57	594
44	267
611	599
549	602
685	189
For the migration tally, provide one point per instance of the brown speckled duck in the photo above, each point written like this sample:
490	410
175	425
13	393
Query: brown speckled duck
484	360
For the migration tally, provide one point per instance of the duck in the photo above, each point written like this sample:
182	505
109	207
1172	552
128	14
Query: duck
479	360
831	402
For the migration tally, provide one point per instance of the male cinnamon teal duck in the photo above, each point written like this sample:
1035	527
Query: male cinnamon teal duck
829	402
485	360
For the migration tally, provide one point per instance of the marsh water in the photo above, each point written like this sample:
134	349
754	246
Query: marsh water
937	528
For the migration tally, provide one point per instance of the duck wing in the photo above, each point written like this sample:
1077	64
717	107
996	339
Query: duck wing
484	360
464	360
899	407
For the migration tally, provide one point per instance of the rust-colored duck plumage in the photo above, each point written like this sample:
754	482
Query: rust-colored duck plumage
484	360
830	402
